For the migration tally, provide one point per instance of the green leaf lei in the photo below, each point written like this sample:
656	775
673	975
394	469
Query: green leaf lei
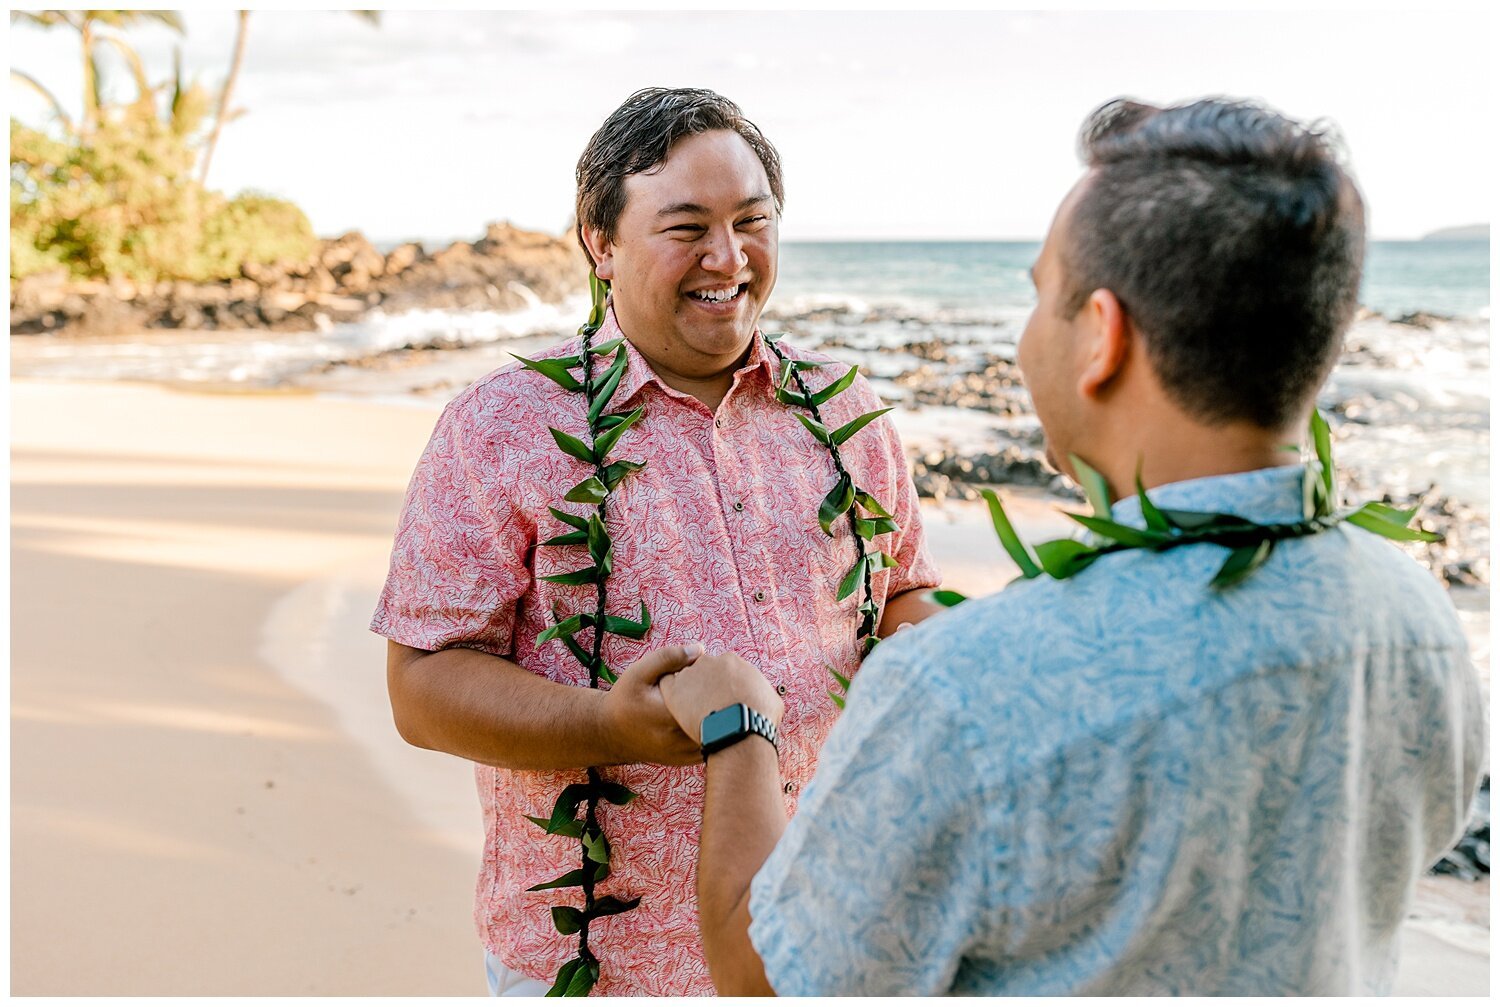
578	976
1250	544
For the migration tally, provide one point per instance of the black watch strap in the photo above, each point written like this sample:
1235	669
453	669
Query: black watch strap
723	728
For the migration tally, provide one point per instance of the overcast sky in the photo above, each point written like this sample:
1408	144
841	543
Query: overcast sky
894	125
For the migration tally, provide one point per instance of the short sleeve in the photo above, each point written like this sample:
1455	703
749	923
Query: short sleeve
459	564
878	885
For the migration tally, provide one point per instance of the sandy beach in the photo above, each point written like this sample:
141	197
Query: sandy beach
208	797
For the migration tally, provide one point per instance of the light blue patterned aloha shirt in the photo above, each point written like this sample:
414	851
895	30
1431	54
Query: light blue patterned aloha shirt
1131	783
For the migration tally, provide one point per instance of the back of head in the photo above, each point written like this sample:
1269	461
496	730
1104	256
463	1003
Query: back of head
1233	238
637	137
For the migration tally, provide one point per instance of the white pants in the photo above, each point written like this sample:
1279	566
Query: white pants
506	982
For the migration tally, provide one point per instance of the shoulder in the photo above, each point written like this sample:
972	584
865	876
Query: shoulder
514	397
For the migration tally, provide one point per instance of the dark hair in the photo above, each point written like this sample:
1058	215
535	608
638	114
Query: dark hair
1233	238
637	137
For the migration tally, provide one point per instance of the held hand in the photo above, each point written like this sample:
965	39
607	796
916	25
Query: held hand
637	715
713	683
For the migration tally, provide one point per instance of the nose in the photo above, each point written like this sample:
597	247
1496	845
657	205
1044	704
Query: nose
725	252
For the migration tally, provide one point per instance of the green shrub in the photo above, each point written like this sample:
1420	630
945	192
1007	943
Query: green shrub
122	202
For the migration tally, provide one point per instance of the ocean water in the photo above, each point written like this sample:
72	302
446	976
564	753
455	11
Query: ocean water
1417	390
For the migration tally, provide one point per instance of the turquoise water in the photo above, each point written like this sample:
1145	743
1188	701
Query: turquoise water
1446	278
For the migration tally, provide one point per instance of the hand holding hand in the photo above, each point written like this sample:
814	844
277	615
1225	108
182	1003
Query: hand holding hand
637	716
712	683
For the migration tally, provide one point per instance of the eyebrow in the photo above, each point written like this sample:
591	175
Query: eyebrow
676	208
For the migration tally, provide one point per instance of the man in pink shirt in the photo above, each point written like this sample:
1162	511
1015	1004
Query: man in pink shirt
718	536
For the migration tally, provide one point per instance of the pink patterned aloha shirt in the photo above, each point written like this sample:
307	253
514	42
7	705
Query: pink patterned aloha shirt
718	535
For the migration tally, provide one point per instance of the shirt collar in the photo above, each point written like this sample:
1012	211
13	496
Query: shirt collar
639	372
1266	496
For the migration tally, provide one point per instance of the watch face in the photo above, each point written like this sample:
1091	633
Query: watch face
725	723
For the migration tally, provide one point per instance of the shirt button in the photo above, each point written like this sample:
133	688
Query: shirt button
739	505
781	690
790	788
718	422
759	596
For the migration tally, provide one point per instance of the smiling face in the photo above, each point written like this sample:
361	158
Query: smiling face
693	257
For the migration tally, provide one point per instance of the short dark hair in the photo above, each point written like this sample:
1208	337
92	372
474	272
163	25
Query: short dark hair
1234	239
637	137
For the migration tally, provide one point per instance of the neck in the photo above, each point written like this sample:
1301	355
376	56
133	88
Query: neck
1183	450
708	383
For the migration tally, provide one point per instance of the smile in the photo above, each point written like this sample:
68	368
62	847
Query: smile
721	295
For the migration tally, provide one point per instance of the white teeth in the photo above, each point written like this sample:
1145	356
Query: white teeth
716	296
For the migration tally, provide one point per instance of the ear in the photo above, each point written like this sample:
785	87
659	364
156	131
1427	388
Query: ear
1107	333
602	250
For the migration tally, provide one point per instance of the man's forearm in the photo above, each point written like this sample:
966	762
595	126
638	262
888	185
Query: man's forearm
490	710
743	817
909	606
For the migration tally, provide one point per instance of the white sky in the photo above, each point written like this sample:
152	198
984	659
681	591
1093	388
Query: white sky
891	124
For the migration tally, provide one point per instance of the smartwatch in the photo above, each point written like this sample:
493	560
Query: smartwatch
723	728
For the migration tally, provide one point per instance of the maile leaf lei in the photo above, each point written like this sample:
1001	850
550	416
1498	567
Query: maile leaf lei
1249	543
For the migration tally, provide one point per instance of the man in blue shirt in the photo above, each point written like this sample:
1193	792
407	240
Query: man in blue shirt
1129	781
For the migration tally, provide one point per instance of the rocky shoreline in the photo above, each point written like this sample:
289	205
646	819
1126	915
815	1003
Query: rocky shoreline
346	277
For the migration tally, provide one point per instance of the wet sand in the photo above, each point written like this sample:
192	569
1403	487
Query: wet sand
207	794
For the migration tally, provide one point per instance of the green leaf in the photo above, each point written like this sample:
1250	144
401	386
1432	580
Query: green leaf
1372	521
571	538
607	386
598	539
1095	486
571	520
611	420
1064	557
599	303
607	676
573	829
791	398
1155	520
570	625
1123	533
838	500
566	919
1391	513
853	578
867	645
583	980
1008	537
817	429
1242	562
590	491
573	446
596	847
614	793
624	627
868	528
584	657
611	906
615	472
868	502
556	369
566	807
773	337
572	879
948	598
565	977
589	575
857	424
881	561
606	348
1322	440
1202	521
840	679
838	700
820	397
605	442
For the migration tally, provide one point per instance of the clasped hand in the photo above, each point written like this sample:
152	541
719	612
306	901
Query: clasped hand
656	708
